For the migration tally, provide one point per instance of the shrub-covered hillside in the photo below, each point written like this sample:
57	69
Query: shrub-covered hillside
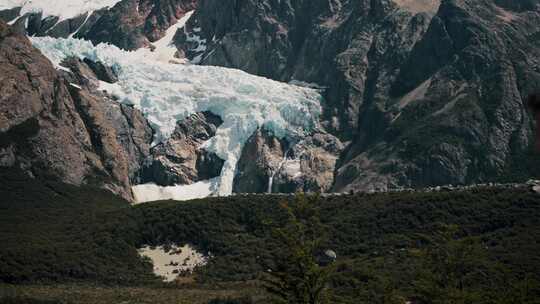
54	233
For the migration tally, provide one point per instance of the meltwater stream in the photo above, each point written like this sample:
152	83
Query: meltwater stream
166	93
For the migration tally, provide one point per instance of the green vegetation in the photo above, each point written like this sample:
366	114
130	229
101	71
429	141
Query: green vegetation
296	276
63	241
58	233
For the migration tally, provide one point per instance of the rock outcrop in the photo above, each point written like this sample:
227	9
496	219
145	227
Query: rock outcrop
182	159
54	126
130	24
261	158
271	165
426	92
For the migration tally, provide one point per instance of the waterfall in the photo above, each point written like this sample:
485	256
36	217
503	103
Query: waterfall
281	164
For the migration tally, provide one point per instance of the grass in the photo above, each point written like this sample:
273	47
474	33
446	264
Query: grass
96	294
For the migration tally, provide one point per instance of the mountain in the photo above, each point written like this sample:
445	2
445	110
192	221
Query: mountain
427	92
55	125
413	93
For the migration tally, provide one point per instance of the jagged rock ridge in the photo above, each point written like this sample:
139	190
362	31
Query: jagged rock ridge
130	24
181	159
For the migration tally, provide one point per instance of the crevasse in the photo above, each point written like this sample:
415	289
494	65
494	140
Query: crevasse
166	93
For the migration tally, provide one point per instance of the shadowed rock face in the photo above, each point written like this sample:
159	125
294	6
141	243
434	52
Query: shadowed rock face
181	160
132	131
10	14
424	99
54	126
132	24
522	5
534	105
341	45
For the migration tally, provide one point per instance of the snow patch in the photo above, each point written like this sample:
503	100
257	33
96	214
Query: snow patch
169	264
59	8
165	49
75	86
152	192
418	93
88	15
12	22
419	6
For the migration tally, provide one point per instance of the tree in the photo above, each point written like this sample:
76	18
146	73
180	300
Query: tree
296	274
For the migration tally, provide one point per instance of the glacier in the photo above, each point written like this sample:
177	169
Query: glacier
167	92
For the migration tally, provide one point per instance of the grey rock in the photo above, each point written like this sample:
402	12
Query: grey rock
261	159
102	72
65	28
132	24
268	164
181	160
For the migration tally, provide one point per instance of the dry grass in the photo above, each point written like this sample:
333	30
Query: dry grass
86	294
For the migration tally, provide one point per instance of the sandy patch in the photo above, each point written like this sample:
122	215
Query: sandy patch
174	262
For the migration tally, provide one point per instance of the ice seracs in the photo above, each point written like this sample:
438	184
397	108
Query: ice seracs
167	93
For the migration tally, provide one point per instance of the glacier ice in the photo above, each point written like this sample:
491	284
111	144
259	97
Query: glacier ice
166	93
64	9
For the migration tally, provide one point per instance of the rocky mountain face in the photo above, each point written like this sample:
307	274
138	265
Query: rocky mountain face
271	165
182	159
131	24
424	92
56	125
416	93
